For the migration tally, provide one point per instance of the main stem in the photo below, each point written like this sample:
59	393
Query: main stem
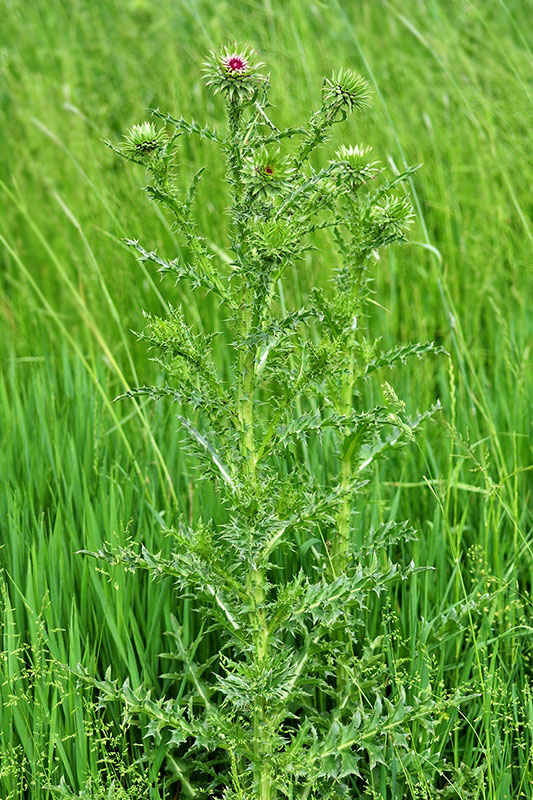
255	578
341	547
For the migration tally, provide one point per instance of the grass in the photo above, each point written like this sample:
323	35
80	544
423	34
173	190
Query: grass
452	84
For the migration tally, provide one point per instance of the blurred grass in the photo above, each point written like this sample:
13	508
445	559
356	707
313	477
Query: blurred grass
452	89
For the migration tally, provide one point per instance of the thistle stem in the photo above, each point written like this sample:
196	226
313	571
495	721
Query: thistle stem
342	542
255	579
341	547
234	150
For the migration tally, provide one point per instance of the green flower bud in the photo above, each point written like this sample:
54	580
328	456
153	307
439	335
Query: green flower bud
346	91
391	218
355	166
267	175
276	241
143	142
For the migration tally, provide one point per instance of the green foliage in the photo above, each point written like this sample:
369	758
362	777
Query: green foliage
281	711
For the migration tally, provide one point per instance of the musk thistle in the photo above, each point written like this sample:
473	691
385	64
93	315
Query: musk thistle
290	700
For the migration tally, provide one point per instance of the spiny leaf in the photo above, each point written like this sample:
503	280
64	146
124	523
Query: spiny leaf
400	355
189	127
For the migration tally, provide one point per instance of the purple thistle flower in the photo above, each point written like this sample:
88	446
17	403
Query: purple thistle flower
236	63
234	72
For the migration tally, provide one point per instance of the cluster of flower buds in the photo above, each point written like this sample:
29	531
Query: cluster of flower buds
235	73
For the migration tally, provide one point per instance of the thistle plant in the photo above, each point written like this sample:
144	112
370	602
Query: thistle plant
294	701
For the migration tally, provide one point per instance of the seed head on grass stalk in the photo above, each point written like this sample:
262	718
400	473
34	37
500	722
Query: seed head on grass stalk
293	700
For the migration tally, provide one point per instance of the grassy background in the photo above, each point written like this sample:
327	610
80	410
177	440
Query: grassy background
452	89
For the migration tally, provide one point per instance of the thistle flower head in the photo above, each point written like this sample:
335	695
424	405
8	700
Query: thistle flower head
345	90
355	165
235	65
143	142
276	241
235	72
391	218
267	175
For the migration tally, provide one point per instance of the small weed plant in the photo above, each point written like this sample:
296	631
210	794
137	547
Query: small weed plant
293	701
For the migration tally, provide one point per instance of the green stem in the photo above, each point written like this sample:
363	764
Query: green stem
245	394
234	154
341	545
255	579
246	361
262	749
